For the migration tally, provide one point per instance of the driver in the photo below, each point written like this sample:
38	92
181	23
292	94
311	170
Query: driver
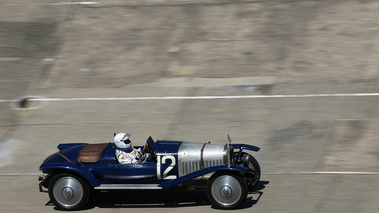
125	152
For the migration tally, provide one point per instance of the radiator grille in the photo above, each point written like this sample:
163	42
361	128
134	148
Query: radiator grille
188	167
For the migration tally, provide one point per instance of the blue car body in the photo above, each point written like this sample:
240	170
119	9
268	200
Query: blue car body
165	166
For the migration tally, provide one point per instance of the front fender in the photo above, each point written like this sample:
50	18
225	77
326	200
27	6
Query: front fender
201	172
245	146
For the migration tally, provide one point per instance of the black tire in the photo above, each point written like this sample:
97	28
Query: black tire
226	191
68	192
254	170
257	170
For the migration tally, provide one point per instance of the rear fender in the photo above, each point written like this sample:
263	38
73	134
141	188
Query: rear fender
84	173
63	146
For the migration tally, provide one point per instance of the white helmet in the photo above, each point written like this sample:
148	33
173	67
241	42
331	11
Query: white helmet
122	140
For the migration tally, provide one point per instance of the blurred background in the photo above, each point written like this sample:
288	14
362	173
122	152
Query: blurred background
318	154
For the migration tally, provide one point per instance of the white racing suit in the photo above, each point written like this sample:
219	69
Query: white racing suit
128	157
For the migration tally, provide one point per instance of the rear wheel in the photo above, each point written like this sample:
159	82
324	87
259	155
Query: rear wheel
68	192
226	191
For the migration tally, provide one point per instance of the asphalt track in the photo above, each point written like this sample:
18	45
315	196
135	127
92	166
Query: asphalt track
301	83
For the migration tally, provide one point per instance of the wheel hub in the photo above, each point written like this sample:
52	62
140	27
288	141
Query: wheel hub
67	193
226	191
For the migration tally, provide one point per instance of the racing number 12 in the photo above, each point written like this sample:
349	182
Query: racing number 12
162	160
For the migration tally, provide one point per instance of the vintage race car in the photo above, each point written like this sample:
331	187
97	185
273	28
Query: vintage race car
226	172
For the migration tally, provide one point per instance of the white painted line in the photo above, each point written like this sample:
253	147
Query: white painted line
197	97
323	173
75	3
39	104
209	97
7	101
47	60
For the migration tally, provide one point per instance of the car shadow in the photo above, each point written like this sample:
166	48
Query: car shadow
254	195
169	198
147	199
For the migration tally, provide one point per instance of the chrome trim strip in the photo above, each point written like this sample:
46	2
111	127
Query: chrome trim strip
127	186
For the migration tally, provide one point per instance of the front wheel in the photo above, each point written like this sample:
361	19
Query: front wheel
68	192
254	170
253	166
226	191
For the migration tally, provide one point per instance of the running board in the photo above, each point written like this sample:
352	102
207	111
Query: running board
127	186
